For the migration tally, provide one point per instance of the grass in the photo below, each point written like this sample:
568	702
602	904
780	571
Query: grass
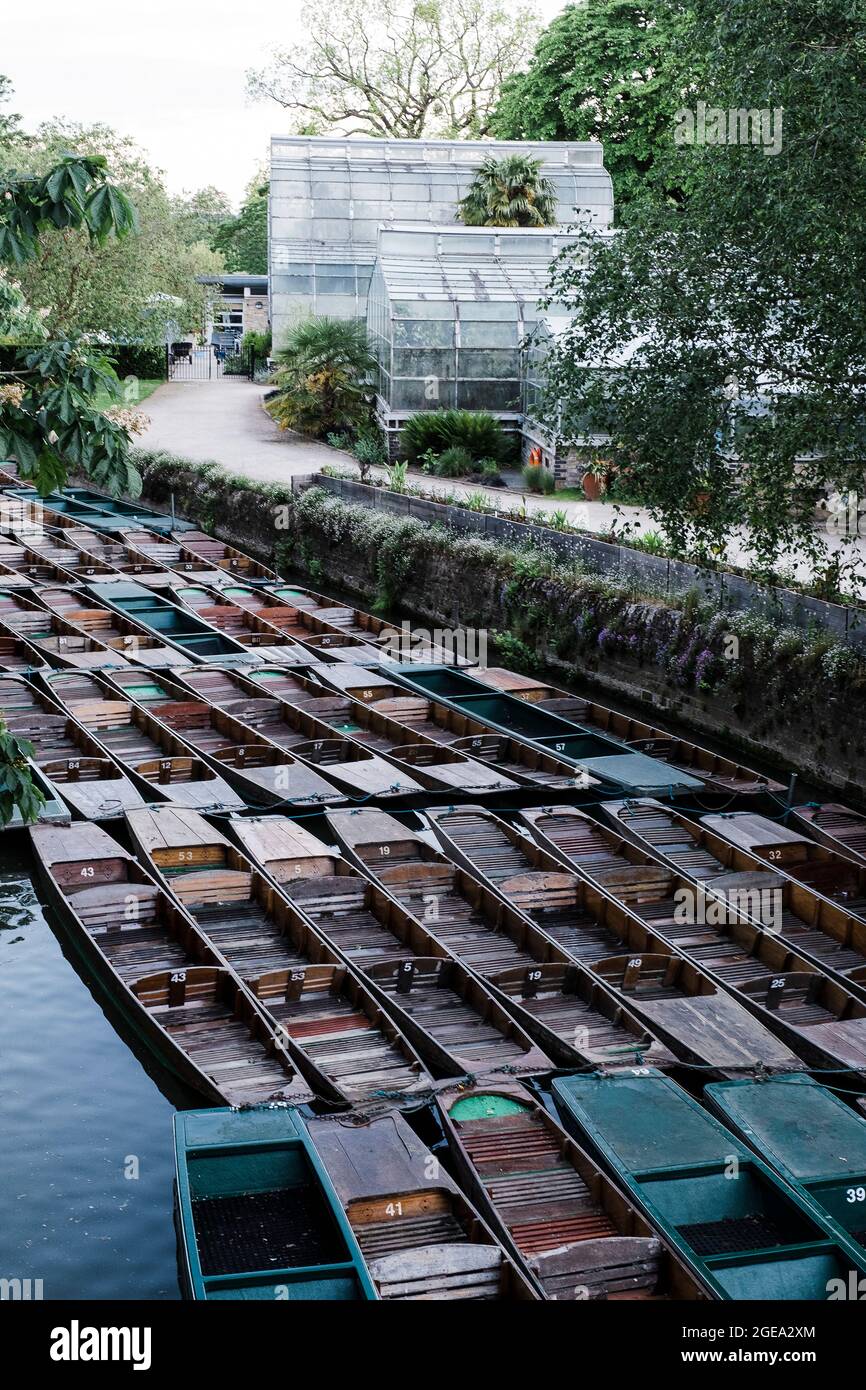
102	400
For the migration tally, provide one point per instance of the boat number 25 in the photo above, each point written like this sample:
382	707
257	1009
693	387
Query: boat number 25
855	1194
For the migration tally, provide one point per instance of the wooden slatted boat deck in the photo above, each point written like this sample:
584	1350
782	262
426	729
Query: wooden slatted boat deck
322	1010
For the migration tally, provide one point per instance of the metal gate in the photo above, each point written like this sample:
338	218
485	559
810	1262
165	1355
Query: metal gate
187	362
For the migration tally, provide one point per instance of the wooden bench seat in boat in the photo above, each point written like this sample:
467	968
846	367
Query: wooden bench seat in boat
422	1239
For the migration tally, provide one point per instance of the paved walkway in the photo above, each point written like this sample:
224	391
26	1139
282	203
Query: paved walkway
225	420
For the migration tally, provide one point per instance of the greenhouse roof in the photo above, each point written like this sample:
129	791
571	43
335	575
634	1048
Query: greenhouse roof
467	263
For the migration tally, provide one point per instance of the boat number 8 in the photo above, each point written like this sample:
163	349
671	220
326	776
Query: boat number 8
856	1194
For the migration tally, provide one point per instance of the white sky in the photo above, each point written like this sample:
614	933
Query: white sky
169	73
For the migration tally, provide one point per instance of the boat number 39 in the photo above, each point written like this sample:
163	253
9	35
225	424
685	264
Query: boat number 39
855	1194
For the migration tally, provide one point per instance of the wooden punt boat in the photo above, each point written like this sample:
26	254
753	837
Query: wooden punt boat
819	907
472	922
362	922
345	764
262	773
818	868
342	1040
809	1136
453	1020
577	1020
725	948
19	614
522	762
633	773
16	654
308	765
93	785
421	1238
836	826
257	1216
106	553
62	644
750	1239
199	546
150	960
39	563
245	627
119	634
814	1011
326	615
718	773
300	624
550	1204
345	1042
434	765
450	1016
177	627
160	764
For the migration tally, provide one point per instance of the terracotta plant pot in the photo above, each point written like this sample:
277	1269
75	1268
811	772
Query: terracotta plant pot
593	486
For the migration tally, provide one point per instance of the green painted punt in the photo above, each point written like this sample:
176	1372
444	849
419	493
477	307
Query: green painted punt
741	1228
177	626
256	1214
601	756
810	1136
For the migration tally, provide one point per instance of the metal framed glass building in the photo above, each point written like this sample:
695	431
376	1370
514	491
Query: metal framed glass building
449	312
329	197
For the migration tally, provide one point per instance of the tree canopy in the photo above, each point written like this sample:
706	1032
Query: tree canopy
242	241
123	288
509	192
721	341
608	70
403	68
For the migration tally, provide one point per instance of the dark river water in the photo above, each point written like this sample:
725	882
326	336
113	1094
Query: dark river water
78	1113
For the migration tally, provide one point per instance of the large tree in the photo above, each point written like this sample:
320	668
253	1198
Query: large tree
47	420
242	241
404	68
608	70
119	288
722	342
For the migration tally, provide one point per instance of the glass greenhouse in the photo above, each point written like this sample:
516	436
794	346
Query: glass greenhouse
448	314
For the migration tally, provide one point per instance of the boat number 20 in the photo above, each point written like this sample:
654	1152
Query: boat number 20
855	1194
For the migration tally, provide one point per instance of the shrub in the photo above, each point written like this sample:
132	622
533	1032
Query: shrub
474	430
510	192
531	476
322	377
259	344
454	463
369	448
339	440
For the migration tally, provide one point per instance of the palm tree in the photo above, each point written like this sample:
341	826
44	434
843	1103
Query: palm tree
323	376
510	192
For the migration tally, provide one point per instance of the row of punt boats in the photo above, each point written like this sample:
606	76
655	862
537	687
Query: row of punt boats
485	986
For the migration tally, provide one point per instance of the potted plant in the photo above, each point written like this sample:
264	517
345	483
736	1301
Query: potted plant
595	478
